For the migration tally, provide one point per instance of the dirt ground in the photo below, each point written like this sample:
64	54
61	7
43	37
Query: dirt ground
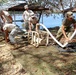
26	59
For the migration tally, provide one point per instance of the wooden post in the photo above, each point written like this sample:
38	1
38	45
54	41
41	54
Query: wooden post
42	19
14	17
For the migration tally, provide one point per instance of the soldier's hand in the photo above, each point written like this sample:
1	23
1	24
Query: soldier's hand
67	39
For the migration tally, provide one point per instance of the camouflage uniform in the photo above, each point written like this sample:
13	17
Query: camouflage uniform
67	27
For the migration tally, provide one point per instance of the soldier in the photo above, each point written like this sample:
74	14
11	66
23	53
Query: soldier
10	30
67	24
33	20
26	15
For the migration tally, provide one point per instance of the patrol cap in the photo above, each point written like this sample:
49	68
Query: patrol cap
69	14
26	6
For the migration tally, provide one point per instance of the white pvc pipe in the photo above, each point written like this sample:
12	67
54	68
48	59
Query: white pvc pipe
55	38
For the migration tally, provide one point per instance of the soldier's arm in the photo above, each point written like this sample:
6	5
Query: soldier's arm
64	33
75	26
11	20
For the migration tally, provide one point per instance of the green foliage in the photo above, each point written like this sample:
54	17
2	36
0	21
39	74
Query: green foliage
54	5
3	1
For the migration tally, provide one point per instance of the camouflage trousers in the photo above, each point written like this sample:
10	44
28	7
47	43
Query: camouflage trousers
60	34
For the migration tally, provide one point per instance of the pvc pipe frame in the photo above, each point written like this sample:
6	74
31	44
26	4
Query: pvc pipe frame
62	45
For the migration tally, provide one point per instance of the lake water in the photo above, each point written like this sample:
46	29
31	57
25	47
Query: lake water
50	21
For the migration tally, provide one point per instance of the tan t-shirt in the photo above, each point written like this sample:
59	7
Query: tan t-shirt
27	14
